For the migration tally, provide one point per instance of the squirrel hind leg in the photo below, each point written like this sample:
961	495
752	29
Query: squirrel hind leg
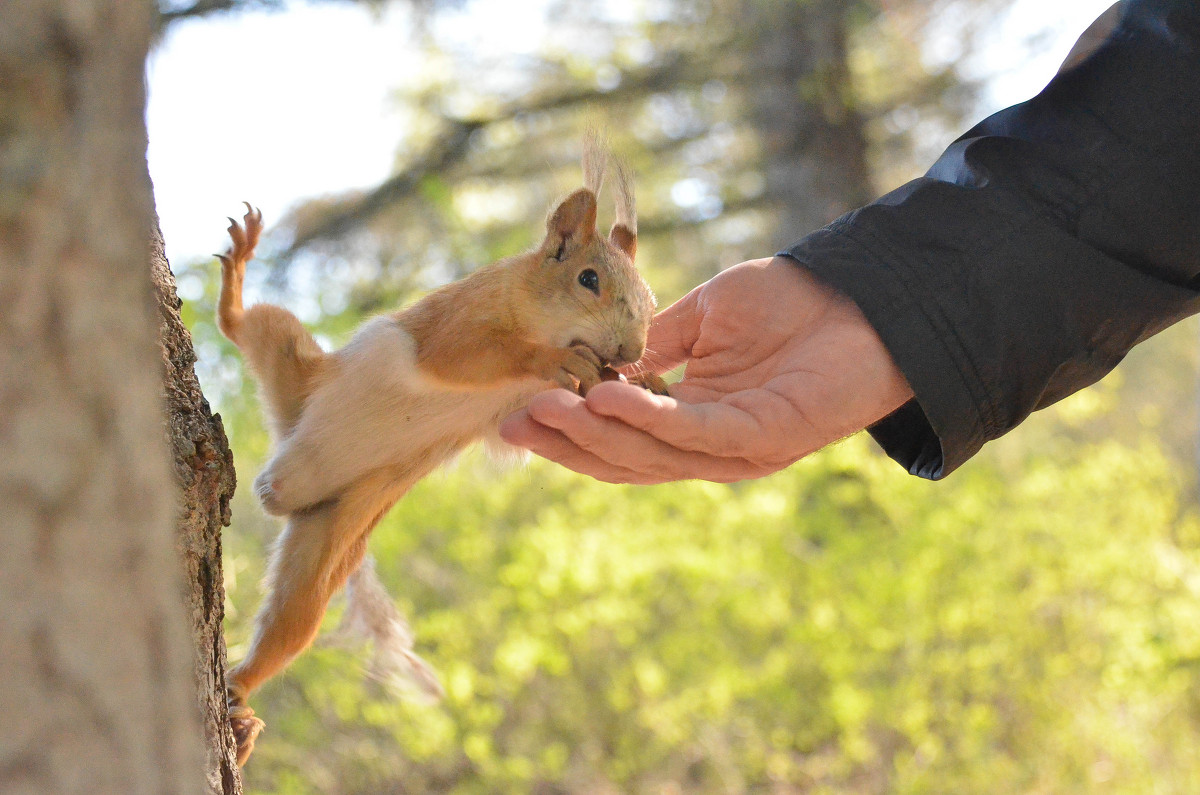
314	555
286	360
246	727
291	613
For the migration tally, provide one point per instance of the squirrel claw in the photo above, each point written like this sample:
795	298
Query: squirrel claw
651	383
253	221
246	728
243	237
575	368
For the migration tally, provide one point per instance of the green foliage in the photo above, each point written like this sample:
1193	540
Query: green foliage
839	627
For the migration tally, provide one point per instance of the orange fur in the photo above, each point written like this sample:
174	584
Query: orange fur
356	428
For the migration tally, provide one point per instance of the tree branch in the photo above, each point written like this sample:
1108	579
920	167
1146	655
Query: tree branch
452	146
168	14
449	150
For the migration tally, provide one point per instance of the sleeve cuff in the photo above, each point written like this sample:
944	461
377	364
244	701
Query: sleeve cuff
944	425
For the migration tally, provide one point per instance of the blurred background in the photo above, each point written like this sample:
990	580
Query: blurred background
1030	625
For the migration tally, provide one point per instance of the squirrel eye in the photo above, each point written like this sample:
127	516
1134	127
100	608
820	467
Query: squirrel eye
591	280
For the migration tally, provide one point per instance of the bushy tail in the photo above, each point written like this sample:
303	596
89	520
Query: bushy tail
371	616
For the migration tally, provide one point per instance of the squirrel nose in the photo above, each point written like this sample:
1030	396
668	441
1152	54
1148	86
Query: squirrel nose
628	354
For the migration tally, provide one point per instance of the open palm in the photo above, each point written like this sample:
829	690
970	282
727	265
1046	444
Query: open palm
777	366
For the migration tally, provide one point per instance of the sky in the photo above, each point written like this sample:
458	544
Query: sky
275	108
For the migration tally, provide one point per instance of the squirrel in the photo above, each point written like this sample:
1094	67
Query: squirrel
356	428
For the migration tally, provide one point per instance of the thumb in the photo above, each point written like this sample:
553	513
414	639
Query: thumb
672	334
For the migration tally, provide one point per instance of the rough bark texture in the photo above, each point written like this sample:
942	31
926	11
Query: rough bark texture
95	682
204	475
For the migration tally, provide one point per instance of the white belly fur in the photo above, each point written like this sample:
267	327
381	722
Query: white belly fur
379	410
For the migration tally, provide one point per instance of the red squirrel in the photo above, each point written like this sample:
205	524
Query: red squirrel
354	429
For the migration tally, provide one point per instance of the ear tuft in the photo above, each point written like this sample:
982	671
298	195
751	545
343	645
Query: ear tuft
595	159
624	229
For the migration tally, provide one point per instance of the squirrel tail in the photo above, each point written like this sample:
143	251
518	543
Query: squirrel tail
372	616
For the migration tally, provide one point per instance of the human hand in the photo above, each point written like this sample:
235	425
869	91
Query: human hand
778	366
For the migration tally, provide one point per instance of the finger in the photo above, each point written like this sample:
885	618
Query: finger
621	445
520	429
719	429
672	334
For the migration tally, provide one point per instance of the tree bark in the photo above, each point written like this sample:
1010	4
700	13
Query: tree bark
95	683
204	477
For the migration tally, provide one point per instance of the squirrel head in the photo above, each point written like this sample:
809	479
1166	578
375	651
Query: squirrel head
587	288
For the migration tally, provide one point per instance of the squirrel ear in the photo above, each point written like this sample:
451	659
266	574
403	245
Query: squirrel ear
624	238
573	221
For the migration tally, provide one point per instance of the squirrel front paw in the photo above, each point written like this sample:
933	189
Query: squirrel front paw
268	495
646	380
576	368
650	382
246	727
288	483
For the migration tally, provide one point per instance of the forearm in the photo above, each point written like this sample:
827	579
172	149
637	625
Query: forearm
1041	247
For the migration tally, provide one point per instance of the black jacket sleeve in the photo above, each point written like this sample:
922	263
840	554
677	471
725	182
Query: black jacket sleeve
1044	243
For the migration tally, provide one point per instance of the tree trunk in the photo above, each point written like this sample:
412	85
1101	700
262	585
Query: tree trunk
94	677
814	141
204	476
